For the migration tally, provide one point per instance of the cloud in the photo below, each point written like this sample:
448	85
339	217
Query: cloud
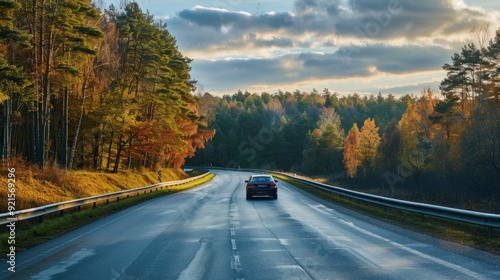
276	41
403	59
364	62
240	21
324	41
214	17
415	88
372	21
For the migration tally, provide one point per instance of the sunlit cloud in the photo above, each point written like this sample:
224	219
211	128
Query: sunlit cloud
325	40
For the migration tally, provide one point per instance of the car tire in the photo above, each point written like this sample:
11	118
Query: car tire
275	196
249	196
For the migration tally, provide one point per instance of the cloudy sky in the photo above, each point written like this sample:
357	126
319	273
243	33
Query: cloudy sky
364	46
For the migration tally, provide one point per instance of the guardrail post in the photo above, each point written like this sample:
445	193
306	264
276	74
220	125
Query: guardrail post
107	201
78	208
95	204
61	213
490	232
117	199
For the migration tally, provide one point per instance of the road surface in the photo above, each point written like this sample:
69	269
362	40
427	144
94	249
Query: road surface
213	232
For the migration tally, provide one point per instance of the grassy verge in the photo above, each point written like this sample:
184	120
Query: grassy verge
35	186
38	233
460	233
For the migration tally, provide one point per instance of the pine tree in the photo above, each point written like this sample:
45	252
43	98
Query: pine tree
492	56
13	81
159	122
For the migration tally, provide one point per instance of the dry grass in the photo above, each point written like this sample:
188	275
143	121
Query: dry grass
36	187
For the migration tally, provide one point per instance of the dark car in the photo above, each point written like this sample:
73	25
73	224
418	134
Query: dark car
262	185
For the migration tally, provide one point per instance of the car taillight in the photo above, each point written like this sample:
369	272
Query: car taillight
250	185
272	185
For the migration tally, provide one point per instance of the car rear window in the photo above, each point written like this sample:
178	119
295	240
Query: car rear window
261	179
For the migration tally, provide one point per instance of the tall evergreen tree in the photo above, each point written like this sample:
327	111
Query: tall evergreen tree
13	82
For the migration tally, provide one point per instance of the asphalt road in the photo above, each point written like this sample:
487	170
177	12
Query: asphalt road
213	232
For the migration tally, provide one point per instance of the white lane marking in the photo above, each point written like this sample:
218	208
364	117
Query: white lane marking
288	269
289	266
233	244
63	266
283	242
195	269
193	240
263	239
237	262
223	200
442	262
273	250
375	260
231	230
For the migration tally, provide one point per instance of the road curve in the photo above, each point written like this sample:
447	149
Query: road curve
213	232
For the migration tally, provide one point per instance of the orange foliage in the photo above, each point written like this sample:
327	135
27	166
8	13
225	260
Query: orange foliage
351	143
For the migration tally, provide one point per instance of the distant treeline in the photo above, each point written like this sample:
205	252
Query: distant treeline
85	88
446	142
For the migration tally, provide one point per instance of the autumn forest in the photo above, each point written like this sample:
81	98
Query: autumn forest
83	88
441	143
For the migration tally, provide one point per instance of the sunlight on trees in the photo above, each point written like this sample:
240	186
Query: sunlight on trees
369	140
435	141
351	155
106	90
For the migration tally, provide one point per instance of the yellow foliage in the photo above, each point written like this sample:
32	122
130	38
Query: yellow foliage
351	159
417	132
3	97
369	139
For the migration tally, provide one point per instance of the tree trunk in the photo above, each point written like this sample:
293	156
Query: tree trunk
95	150
118	154
34	134
63	160
40	151
129	157
75	140
44	119
80	118
108	163
7	104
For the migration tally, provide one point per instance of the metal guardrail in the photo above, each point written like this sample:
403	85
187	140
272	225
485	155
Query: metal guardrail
471	217
488	220
38	212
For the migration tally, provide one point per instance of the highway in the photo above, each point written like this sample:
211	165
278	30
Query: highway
213	232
